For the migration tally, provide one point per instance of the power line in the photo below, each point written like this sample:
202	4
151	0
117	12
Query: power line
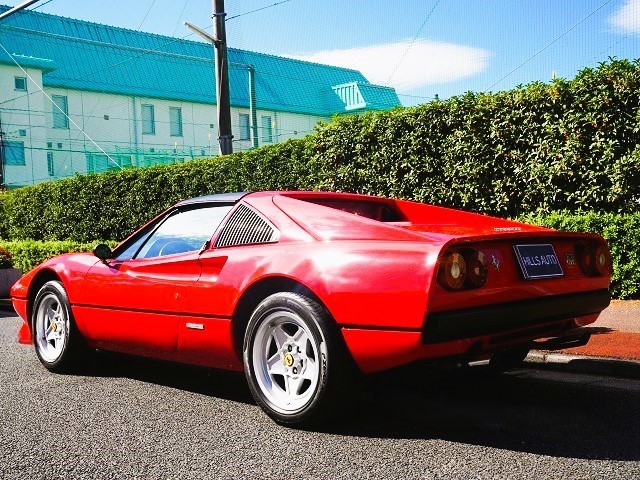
412	42
549	44
180	18
257	10
153	2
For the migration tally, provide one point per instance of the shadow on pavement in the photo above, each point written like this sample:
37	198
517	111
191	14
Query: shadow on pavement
517	411
558	415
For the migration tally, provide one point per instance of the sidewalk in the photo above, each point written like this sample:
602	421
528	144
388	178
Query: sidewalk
616	333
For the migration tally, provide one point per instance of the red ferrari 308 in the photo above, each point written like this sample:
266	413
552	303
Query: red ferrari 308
302	289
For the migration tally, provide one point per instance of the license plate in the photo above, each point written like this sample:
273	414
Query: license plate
538	261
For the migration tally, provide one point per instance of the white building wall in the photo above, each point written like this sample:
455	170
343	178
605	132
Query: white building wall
22	117
113	124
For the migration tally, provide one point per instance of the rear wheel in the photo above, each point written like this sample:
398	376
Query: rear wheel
294	359
57	342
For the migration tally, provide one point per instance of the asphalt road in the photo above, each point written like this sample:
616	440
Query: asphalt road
133	418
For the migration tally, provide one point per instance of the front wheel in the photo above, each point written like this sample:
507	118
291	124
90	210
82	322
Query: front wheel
294	360
57	342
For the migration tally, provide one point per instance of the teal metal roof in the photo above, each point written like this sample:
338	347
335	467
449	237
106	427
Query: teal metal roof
95	57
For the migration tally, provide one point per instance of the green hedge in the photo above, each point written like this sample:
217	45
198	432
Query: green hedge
29	253
113	204
567	145
622	232
4	215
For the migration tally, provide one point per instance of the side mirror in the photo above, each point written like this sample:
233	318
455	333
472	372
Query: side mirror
103	252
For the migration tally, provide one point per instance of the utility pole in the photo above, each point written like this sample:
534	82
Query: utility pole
252	82
222	79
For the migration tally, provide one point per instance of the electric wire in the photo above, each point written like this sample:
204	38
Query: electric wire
393	72
257	10
180	18
153	2
549	44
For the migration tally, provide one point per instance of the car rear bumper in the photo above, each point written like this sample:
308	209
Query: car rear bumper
474	333
492	319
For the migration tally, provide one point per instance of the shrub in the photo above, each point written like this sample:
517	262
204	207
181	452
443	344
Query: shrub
29	253
6	259
622	232
4	215
113	204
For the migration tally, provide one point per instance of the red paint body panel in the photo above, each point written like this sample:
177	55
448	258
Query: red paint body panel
377	279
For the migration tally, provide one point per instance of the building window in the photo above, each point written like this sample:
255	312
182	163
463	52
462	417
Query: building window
20	83
267	133
245	128
50	164
148	120
13	153
175	121
60	111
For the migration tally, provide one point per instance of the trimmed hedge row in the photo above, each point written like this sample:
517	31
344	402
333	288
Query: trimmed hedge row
29	253
567	145
622	232
113	204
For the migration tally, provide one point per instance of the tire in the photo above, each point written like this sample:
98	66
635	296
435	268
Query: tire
57	341
295	360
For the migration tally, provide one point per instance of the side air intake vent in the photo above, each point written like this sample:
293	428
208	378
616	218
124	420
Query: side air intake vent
246	227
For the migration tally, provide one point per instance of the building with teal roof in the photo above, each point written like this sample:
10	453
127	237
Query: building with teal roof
80	97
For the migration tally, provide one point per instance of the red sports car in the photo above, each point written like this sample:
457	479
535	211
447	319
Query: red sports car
302	289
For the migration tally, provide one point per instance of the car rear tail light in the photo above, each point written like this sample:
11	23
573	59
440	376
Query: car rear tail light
477	268
601	260
452	273
594	259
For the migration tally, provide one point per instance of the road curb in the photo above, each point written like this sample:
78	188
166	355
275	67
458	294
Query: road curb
614	367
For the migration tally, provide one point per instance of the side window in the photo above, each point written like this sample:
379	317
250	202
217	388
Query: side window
184	231
135	243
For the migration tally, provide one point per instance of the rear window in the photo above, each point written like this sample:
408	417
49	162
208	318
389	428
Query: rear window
372	210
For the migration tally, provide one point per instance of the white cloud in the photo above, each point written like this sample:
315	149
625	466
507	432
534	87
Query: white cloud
427	62
627	18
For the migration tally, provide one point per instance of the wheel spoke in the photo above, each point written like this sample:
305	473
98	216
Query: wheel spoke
275	366
301	338
280	336
287	385
49	334
294	386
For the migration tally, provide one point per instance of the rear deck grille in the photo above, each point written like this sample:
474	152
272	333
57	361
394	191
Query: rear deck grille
246	227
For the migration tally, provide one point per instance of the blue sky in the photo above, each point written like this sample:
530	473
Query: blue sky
463	44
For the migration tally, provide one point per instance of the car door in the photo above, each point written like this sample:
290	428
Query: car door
205	336
134	302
